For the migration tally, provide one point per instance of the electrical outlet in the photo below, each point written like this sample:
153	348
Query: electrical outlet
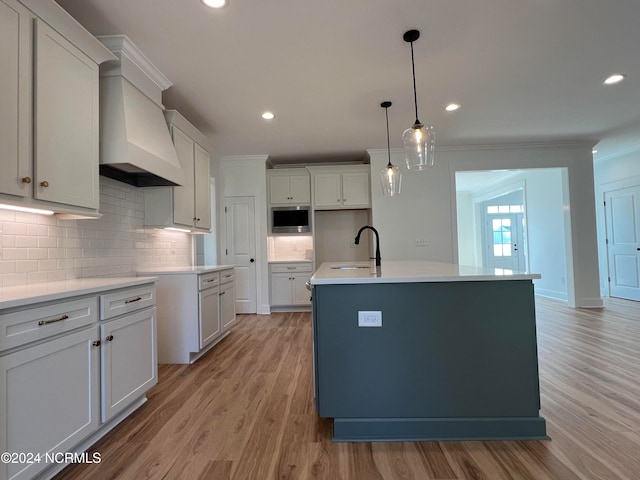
369	318
422	242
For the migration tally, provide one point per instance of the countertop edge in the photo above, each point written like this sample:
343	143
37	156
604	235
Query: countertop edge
25	295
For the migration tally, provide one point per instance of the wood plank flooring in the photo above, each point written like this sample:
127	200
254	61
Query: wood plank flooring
245	411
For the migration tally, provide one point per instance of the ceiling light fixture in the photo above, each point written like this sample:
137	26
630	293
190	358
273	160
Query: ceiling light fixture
615	78
390	176
215	3
268	115
418	140
452	107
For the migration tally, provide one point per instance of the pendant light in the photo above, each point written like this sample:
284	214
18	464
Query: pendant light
390	176
418	140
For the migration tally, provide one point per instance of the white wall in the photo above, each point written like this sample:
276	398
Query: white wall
40	248
426	207
610	174
467	236
241	176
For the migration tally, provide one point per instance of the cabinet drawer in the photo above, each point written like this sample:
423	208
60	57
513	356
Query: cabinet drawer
208	280
126	301
290	267
227	276
31	324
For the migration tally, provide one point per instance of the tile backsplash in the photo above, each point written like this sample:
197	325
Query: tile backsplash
39	248
293	247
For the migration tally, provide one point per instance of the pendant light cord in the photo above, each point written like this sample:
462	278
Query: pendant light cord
386	114
415	95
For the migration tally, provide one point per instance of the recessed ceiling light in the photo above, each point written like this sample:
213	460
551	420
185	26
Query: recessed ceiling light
594	151
615	78
452	107
215	3
268	115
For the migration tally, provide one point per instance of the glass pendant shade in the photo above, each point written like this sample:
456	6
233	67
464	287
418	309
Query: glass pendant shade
391	180
390	176
419	140
419	143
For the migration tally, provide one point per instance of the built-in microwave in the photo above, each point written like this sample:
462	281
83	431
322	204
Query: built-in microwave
290	219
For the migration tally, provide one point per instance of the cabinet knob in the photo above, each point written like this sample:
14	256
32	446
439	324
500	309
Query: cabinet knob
26	179
44	184
109	338
96	343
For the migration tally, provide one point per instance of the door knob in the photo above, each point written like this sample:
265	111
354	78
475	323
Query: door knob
515	247
252	260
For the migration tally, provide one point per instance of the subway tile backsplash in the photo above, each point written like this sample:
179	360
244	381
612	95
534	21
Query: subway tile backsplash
290	247
40	248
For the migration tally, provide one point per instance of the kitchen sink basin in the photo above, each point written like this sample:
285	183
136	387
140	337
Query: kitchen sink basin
349	267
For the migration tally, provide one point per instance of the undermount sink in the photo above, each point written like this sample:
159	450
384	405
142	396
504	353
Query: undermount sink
349	267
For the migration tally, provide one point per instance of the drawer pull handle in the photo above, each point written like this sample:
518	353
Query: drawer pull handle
222	293
137	299
109	338
227	276
47	322
291	268
96	343
211	280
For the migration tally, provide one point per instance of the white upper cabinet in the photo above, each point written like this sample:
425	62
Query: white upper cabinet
66	122
49	98
15	97
341	187
187	206
289	187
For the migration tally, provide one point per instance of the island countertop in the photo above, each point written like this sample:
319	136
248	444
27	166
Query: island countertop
409	271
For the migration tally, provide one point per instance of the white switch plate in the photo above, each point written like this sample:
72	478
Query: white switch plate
369	318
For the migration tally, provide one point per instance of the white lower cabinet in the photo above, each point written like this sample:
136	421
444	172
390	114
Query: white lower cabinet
129	360
66	373
50	399
209	316
196	309
288	284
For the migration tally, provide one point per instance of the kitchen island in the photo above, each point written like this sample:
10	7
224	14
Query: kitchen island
425	351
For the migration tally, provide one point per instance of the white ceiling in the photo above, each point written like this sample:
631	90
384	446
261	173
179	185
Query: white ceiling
524	71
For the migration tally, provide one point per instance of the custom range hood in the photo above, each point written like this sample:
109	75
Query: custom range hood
135	143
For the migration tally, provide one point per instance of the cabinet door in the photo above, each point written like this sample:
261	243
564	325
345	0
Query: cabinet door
52	402
209	316
15	96
183	196
355	189
300	295
203	188
280	289
66	121
227	305
129	363
279	192
300	189
326	190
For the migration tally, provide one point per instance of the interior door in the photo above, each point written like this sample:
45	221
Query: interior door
241	249
623	242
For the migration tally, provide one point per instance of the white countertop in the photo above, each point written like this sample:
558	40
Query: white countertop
195	270
408	271
22	295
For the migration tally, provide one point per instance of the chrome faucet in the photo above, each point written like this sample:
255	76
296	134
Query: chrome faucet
357	242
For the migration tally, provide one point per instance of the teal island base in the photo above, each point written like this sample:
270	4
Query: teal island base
450	360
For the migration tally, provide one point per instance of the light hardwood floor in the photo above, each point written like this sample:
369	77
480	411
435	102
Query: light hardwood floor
245	411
